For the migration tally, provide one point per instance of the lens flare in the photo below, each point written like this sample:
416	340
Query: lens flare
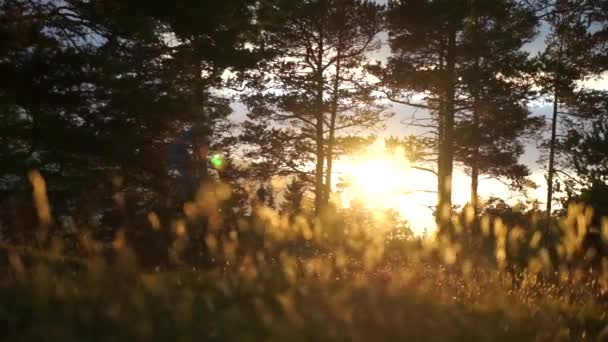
217	160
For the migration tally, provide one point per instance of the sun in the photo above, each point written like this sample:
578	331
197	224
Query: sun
384	181
376	181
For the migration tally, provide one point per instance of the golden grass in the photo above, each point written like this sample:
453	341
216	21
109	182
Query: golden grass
286	277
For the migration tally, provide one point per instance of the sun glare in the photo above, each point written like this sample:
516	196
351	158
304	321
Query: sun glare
376	181
385	181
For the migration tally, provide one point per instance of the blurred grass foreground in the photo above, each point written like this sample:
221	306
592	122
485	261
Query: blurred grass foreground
286	275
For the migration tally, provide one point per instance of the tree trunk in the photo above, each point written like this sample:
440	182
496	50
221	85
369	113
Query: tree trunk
475	158
552	144
201	132
476	129
446	138
332	132
320	159
474	187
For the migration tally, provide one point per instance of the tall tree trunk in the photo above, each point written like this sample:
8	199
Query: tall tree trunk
200	145
475	157
475	154
200	142
446	138
332	131
475	184
476	129
320	159
552	144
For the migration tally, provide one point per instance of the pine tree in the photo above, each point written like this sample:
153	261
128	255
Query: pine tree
565	61
585	144
448	57
293	197
495	74
315	88
96	94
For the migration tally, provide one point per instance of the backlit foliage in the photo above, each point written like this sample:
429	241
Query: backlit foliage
344	276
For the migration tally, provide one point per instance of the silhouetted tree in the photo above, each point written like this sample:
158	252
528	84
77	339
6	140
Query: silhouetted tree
460	60
423	36
565	61
315	88
585	144
117	102
495	78
293	197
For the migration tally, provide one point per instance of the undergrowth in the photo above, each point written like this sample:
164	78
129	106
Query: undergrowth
274	276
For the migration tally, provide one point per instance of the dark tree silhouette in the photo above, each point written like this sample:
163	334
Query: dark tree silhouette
565	61
315	88
103	98
461	61
496	80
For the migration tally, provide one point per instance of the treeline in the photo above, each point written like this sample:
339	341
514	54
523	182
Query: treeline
123	107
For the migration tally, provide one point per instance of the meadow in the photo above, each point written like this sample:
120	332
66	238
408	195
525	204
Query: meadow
280	276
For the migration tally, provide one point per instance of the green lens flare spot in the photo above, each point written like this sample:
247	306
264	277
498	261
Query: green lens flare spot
216	160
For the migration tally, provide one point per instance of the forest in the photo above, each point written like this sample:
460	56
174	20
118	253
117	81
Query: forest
304	170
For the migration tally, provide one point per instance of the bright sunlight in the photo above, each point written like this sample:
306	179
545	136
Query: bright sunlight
381	180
